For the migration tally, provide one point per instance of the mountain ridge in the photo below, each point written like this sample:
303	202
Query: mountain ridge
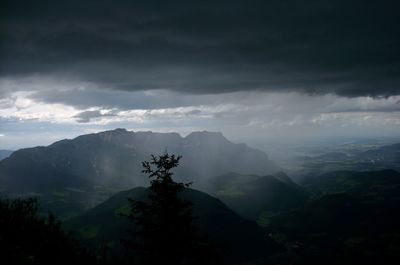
109	161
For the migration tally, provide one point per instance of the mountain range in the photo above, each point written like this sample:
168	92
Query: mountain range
75	174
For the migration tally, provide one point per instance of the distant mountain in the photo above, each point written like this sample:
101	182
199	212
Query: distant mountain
5	154
369	185
257	197
235	238
87	169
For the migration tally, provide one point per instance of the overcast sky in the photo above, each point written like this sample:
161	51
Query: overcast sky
280	69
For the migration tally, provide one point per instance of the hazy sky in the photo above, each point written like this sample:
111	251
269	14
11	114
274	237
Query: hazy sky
281	69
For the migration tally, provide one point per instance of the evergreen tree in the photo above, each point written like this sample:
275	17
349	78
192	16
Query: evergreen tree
27	238
165	232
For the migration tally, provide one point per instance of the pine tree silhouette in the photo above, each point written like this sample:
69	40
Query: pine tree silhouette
165	232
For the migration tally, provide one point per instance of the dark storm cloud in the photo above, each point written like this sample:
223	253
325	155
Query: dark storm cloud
345	47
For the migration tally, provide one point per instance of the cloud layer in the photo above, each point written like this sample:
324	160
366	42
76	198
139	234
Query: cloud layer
349	48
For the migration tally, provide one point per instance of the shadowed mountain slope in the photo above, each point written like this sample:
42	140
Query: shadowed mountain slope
256	197
371	185
235	238
5	154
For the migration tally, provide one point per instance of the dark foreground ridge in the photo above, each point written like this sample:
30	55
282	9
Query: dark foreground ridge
237	239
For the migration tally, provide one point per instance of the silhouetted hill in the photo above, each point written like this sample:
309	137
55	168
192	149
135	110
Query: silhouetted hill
370	185
333	212
339	228
234	237
353	219
257	197
87	169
